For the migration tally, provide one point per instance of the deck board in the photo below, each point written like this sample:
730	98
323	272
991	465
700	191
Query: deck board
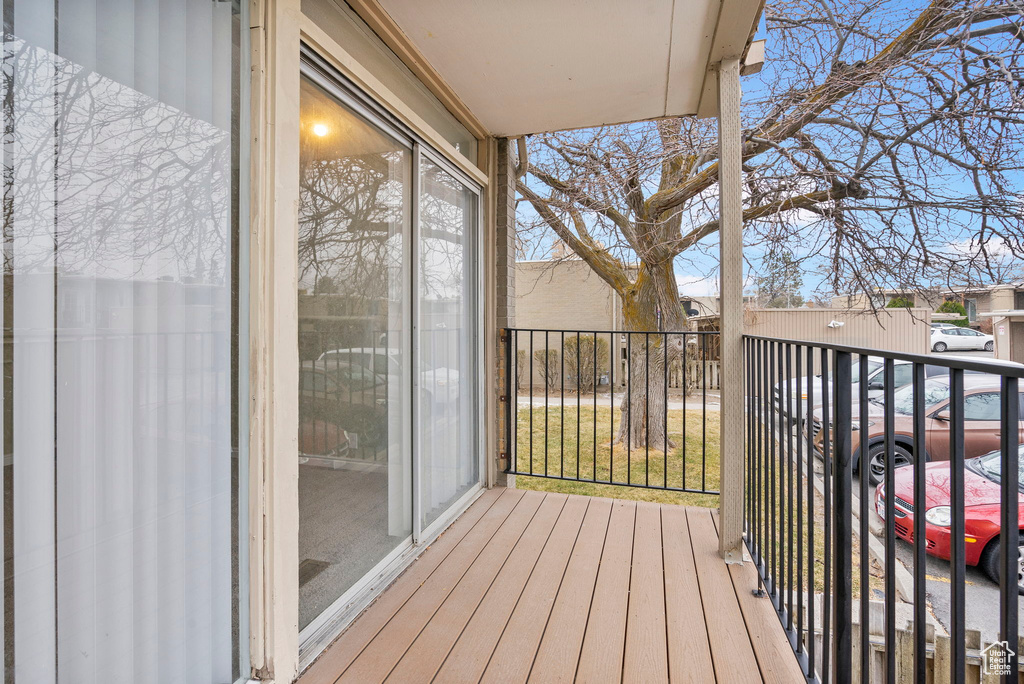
646	657
522	649
689	650
515	594
601	657
383	653
500	576
555	588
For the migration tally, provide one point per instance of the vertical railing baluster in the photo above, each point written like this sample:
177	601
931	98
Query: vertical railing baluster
530	381
647	410
826	425
788	483
579	402
920	458
561	403
629	403
842	596
664	387
547	380
865	577
799	501
683	445
890	530
596	383
957	613
704	411
613	358
811	647
1009	535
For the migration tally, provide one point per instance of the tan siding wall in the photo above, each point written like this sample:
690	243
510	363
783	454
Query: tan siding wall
904	330
565	295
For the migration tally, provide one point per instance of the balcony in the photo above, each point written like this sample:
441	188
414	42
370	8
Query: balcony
536	586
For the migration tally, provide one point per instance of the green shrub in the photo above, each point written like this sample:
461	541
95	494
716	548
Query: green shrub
952	307
900	302
580	366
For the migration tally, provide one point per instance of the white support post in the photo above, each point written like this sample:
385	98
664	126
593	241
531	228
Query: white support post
730	188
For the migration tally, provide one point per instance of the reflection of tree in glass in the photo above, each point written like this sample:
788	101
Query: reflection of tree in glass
109	181
445	216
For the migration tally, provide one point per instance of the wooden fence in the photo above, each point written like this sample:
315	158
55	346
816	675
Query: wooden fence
938	651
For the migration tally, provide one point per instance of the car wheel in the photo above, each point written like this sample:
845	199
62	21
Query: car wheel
989	561
940	347
876	460
989	346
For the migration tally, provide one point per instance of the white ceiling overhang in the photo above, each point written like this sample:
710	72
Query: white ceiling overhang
527	66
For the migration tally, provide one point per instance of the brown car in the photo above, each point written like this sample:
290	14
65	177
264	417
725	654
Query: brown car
981	424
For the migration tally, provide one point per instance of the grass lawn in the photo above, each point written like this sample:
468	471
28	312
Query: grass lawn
558	432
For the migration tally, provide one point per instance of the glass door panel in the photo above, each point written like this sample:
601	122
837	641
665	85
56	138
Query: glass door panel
355	484
447	339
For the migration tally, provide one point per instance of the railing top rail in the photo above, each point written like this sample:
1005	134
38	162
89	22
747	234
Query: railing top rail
618	332
989	366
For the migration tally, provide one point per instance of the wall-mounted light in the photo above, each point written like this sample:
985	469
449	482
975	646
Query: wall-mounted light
320	129
836	324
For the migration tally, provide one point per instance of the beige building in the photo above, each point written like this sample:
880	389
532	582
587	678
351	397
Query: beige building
975	299
564	295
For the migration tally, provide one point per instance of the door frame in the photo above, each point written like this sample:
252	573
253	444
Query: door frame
278	29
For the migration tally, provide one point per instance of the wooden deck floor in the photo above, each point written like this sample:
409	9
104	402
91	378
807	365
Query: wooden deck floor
555	588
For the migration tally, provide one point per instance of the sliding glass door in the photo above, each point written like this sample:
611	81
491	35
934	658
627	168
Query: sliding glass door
446	340
355	477
388	371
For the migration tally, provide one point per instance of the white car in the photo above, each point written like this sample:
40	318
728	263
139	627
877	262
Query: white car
960	338
440	385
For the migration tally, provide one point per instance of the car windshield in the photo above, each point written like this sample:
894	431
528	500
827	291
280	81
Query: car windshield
935	390
991	467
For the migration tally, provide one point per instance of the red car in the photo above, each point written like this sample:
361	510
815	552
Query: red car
981	511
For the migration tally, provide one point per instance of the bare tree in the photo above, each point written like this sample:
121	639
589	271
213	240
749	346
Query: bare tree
882	144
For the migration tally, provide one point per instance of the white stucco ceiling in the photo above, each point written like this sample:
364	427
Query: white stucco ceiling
526	66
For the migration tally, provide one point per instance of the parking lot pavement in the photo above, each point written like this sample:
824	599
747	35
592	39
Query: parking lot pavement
981	595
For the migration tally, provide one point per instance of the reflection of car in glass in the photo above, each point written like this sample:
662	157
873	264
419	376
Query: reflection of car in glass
346	395
960	338
319	438
981	511
981	423
438	385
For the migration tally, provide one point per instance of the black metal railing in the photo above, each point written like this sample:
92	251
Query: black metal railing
832	442
613	407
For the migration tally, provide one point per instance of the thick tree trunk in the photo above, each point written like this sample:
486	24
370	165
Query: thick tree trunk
643	409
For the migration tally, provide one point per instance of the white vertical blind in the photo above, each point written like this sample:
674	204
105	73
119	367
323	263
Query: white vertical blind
118	303
447	332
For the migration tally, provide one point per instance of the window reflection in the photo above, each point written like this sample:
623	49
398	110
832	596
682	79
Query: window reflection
355	493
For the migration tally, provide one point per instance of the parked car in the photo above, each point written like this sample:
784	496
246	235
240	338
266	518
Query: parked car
981	424
981	511
439	386
960	338
903	375
346	395
817	386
